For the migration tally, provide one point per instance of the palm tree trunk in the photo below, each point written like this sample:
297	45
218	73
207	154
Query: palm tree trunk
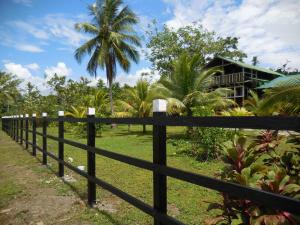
111	99
109	76
189	129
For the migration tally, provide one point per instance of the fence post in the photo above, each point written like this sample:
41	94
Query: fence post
61	171
159	158
17	128
44	115
26	131
34	134
91	162
13	128
21	129
10	126
14	137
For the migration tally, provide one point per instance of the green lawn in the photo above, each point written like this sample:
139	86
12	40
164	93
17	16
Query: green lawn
186	202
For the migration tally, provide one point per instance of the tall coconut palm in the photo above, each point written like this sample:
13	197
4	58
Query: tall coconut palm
139	100
187	86
113	40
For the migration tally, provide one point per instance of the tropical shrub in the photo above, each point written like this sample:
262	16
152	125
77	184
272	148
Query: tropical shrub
204	143
77	128
258	164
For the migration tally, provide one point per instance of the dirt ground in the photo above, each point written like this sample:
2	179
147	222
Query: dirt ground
25	197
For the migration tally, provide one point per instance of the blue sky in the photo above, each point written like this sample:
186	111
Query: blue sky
38	37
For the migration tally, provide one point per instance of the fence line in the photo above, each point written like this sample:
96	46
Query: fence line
14	126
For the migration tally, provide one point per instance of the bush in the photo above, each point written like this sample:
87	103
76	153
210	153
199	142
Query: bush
212	141
203	143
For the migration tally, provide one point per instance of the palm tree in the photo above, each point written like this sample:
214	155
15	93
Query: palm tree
187	86
238	111
113	40
282	97
253	102
99	99
139	101
78	112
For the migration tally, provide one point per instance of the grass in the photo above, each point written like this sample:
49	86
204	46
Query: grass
8	191
187	202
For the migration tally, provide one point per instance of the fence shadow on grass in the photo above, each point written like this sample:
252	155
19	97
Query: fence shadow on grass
76	191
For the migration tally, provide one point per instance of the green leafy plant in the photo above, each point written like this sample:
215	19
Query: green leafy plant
246	164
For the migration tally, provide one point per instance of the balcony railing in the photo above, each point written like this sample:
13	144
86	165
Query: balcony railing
226	79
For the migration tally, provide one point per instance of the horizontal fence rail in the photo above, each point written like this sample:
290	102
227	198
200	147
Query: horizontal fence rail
18	128
245	122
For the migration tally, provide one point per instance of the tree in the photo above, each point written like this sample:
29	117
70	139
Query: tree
31	99
113	40
168	44
9	92
187	87
138	102
58	83
99	100
255	61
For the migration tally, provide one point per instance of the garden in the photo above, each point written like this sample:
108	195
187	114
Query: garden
267	160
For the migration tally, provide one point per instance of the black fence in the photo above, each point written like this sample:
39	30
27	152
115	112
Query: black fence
18	129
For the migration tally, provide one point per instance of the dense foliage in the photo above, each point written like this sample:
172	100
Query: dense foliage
166	45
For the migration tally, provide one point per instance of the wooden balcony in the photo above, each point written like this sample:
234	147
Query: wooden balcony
228	79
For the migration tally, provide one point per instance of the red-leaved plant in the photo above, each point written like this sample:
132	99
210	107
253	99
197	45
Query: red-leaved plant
245	165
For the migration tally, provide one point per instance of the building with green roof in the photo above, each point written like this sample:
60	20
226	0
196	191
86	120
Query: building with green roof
290	80
240	77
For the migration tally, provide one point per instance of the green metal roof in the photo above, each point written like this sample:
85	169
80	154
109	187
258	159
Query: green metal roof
251	67
290	80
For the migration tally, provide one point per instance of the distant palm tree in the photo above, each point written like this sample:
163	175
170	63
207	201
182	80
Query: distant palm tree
138	102
187	86
78	112
113	40
253	102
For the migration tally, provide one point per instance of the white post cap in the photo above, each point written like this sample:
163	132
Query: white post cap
159	105
17	116
33	114
44	114
21	115
61	113
26	115
91	111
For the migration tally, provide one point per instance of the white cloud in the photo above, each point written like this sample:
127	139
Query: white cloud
25	75
28	48
33	66
18	70
23	2
63	28
52	27
132	78
268	29
60	69
30	28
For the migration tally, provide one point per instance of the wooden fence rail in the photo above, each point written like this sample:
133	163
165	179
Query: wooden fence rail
15	127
